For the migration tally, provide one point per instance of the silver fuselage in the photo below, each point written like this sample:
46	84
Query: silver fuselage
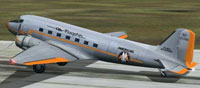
107	47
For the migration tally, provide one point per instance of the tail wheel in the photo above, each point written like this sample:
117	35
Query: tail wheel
39	68
62	63
163	73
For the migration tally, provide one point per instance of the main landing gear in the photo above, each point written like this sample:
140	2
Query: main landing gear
62	63
163	72
39	68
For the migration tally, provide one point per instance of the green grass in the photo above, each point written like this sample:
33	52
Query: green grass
147	21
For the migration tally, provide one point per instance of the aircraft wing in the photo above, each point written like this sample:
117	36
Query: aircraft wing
122	35
42	54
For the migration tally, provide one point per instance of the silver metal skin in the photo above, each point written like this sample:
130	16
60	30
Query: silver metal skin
43	38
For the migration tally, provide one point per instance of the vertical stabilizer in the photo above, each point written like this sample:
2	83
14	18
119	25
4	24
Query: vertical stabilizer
180	46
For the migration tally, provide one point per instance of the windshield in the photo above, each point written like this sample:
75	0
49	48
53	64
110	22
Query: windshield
17	21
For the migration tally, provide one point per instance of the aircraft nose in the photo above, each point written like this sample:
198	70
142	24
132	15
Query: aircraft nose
7	26
12	27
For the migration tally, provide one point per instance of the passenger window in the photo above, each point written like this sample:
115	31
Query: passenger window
67	37
41	29
77	40
49	32
58	34
95	45
86	42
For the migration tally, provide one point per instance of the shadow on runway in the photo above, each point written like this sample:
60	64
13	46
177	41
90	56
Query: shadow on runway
171	78
25	76
153	76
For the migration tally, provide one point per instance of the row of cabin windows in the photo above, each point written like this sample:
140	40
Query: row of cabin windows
68	37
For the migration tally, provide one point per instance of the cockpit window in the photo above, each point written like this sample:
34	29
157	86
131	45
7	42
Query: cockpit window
21	20
17	21
14	21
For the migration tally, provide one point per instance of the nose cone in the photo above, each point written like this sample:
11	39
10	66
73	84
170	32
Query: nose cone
7	26
12	27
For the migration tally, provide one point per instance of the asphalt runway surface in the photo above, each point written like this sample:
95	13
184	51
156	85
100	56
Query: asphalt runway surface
88	74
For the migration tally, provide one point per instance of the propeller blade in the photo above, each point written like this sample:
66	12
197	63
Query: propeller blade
18	30
10	44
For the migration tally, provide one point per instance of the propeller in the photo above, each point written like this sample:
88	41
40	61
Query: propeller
18	30
10	44
13	42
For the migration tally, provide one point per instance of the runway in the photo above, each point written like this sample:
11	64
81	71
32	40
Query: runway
88	74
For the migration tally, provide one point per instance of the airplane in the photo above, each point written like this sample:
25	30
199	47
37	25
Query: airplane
46	41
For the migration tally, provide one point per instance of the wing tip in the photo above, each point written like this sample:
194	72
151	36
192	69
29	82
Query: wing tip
12	61
123	36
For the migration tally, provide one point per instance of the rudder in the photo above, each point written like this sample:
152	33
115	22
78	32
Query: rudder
190	50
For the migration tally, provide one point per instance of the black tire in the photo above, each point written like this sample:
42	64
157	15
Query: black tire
39	68
62	63
163	74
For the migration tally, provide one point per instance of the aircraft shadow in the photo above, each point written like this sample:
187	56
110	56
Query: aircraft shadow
25	76
171	78
153	76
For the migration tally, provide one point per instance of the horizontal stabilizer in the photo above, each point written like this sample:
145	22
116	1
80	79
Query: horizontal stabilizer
179	70
174	67
121	35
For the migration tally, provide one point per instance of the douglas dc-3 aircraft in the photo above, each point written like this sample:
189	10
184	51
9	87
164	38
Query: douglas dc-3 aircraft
47	41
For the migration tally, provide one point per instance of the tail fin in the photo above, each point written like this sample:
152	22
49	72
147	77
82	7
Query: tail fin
180	46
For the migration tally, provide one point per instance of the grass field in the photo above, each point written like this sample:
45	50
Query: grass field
147	21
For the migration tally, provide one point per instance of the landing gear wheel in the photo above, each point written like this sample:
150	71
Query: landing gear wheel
163	73
62	63
39	68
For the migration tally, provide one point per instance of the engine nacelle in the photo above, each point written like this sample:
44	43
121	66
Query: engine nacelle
26	41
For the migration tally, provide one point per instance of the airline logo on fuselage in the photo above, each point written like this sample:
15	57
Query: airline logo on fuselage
67	31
